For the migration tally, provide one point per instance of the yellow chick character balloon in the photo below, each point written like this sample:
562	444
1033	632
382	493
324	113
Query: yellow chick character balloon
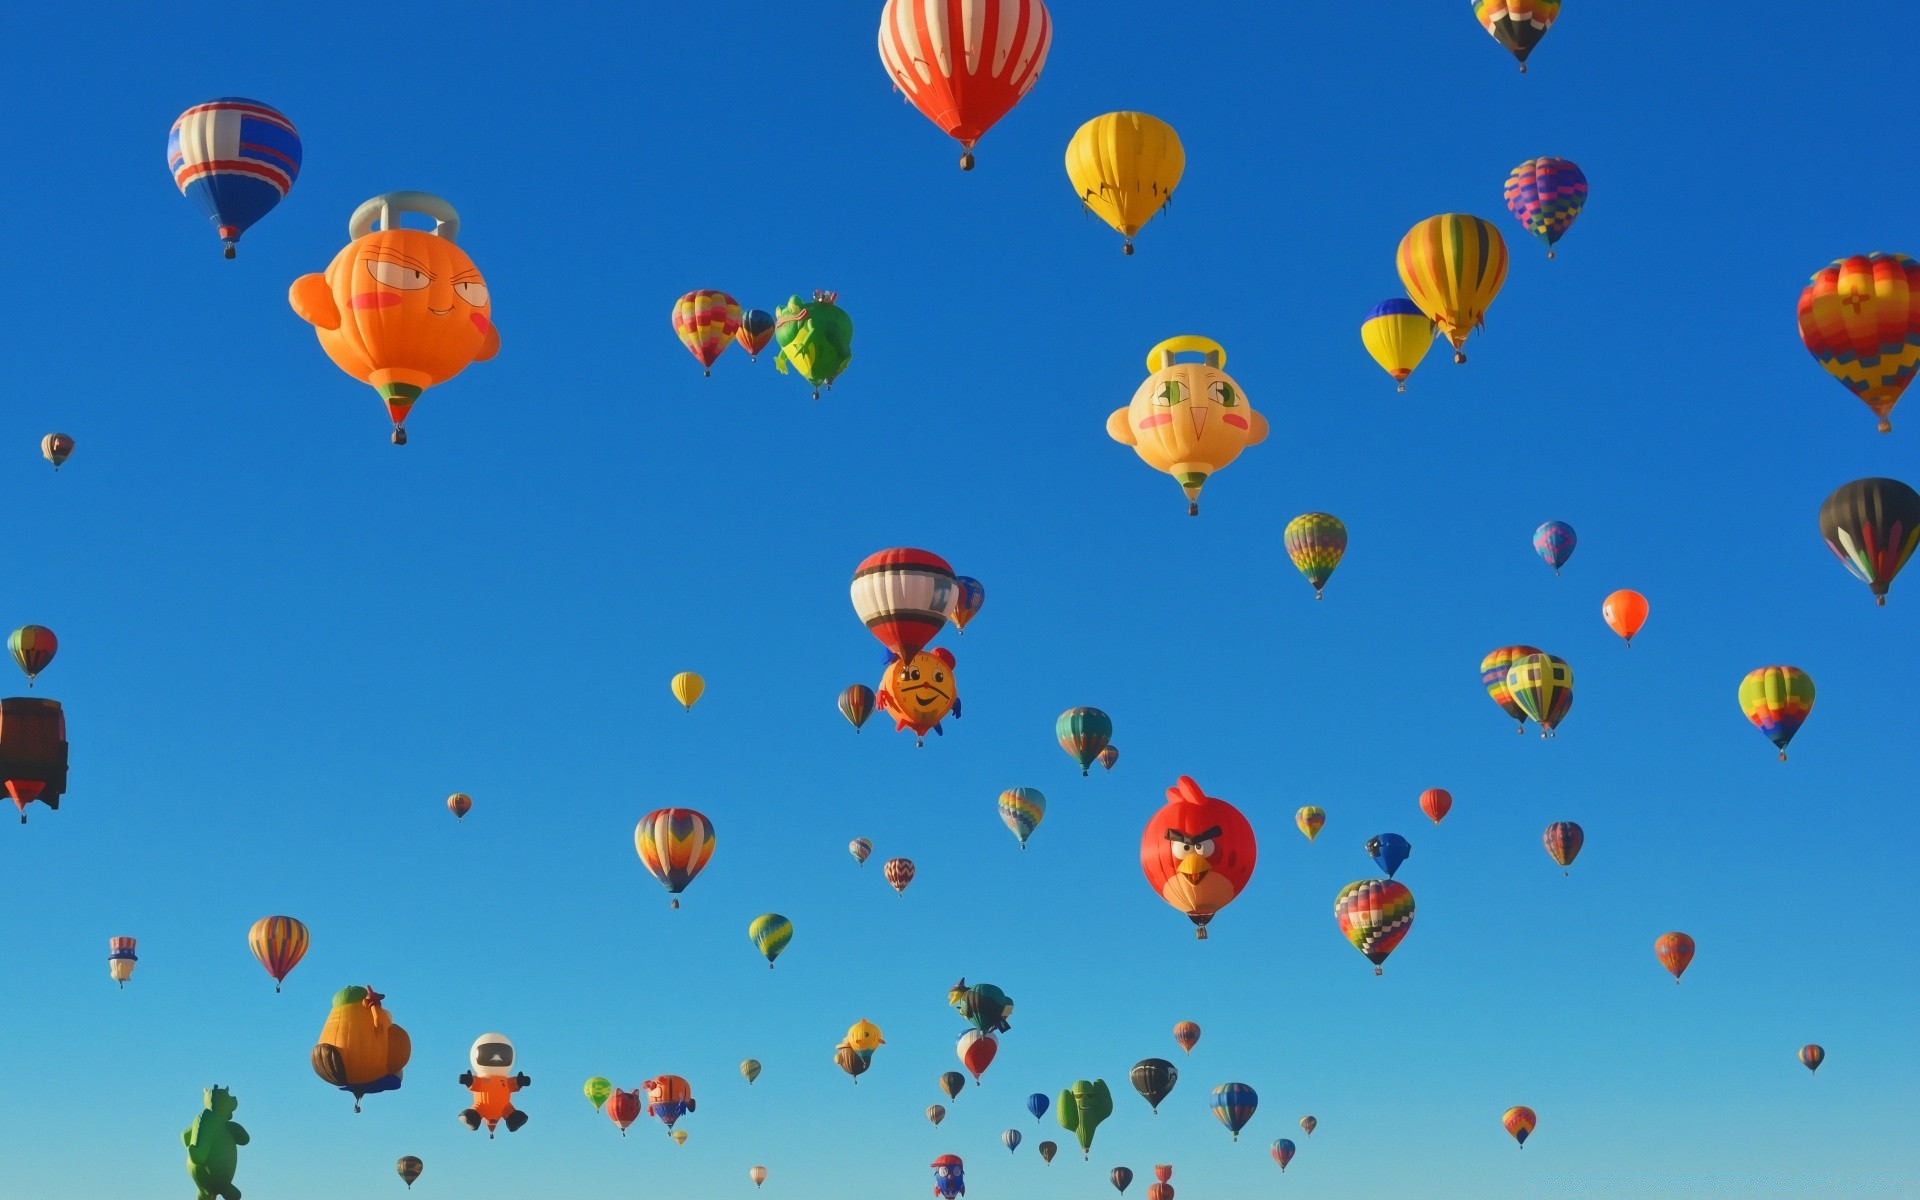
1188	419
1125	166
401	309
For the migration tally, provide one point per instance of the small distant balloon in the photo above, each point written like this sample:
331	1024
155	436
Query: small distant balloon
1308	1124
409	1169
1778	701
1554	542
770	933
1388	851
1563	841
1398	335
1121	1177
1872	526
1436	803
706	322
597	1090
973	594
120	959
1675	951
860	848
1316	542
1811	1056
687	688
756	330
1109	756
1047	1151
459	804
1010	1139
857	704
1083	733
1310	820
56	448
1375	915
750	1069
1038	1104
936	1113
33	647
899	873
1234	1105
1187	1035
1625	611
1542	686
1022	810
1519	1121
951	1082
1282	1152
757	1174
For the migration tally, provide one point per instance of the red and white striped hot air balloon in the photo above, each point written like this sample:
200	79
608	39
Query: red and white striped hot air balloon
965	63
905	597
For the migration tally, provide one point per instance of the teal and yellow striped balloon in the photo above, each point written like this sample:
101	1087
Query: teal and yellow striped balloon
769	933
1315	542
1542	686
1022	809
1083	734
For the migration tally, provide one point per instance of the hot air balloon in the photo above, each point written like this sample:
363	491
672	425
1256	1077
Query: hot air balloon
1160	1191
279	943
1154	1078
905	597
860	848
816	338
1187	1035
750	1070
1453	266
706	322
1554	542
936	1113
1010	1139
1811	1056
1315	542
597	1090
213	1144
951	1082
983	1006
1545	195
899	873
1398	335
669	1097
1860	319
1436	803
409	1169
623	1109
1125	166
769	933
1233	1106
1108	757
757	1174
1310	820
1542	686
1517	24
1037	1104
120	959
238	158
1375	915
1519	1121
1080	1109
679	1137
756	330
964	65
1188	419
400	309
33	751
949	1177
674	845
1163	1172
361	1050
857	704
687	688
1308	1124
1563	840
1047	1151
1778	701
1625	611
976	1049
1198	853
1388	851
972	596
1083	733
459	804
919	694
56	448
1022	810
1282	1151
492	1079
1120	1177
1675	951
1493	676
1871	525
33	647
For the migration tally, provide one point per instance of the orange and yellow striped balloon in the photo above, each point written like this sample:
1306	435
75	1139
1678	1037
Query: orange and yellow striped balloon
706	322
1453	266
279	943
674	845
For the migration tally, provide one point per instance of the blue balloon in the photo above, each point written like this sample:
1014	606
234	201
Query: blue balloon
1038	1104
1011	1140
237	157
1389	850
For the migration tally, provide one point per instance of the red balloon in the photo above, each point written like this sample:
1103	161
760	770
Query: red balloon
1436	803
962	63
976	1052
623	1108
1675	951
1198	853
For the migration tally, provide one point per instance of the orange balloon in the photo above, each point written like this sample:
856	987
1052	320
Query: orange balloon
1626	612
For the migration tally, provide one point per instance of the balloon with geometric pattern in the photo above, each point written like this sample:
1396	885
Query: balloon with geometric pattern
1545	195
706	322
1375	915
1777	700
1315	542
674	845
1675	952
1554	542
1542	685
1493	677
1453	266
1872	526
1860	319
1519	1121
1517	24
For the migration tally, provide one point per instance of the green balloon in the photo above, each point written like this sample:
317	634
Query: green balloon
1082	1107
598	1090
816	339
213	1144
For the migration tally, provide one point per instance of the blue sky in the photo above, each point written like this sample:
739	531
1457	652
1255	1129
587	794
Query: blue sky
285	641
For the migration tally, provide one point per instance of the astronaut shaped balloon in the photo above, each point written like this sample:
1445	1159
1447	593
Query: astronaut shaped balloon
919	694
1198	853
493	1082
949	1177
401	309
1188	419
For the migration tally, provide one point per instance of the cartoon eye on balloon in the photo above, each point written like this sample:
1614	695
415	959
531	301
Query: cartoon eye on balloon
1188	420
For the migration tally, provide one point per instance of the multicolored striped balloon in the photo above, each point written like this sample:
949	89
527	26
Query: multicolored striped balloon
1493	677
279	943
1452	266
1777	700
1234	1105
1310	819
33	647
860	848
706	322
1555	542
1546	194
1022	809
905	597
674	845
1375	915
1542	685
1872	525
1398	335
1811	1056
899	873
769	933
1010	1138
459	804
1563	840
1517	24
1083	734
1860	319
1282	1151
972	594
1109	756
857	704
1315	542
238	158
756	330
1519	1121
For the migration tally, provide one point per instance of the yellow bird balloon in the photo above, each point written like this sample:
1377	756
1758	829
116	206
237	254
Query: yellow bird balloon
1453	266
1125	166
1188	419
687	688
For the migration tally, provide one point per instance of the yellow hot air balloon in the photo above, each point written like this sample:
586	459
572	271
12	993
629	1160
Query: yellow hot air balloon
1453	266
1125	166
1398	335
687	688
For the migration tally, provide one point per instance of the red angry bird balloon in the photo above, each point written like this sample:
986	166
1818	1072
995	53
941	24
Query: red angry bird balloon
1198	853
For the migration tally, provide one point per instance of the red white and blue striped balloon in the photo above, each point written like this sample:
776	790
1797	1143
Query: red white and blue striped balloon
237	157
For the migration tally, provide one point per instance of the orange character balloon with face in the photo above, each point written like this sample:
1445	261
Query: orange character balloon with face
401	309
1198	853
1188	419
920	692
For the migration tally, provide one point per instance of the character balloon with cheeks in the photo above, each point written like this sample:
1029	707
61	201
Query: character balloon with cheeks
1188	419
493	1084
1198	853
669	1098
401	309
921	693
949	1177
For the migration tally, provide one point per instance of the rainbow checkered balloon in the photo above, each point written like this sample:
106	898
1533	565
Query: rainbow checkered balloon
1545	195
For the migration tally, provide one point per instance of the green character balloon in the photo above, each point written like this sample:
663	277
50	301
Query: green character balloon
1081	1109
816	338
213	1144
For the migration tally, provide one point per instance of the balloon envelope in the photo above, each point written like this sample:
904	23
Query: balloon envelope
687	688
1398	335
1452	266
1777	700
1125	165
1675	951
1624	611
1860	319
1234	1105
1153	1078
1315	542
1388	850
1083	733
964	65
1545	195
1563	840
238	158
1517	24
1375	915
1872	526
1555	542
1436	803
1519	1121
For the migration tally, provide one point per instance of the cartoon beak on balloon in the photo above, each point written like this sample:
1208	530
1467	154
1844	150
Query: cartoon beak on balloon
1194	868
1198	414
